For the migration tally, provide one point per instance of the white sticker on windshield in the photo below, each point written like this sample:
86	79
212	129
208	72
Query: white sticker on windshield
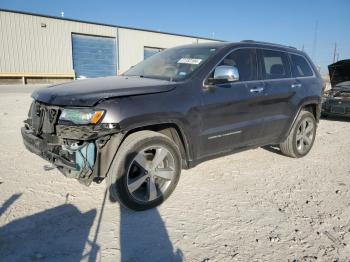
191	61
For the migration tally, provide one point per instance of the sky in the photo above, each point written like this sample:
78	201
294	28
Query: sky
313	25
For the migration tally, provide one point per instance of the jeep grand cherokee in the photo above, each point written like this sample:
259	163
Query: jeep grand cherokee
176	109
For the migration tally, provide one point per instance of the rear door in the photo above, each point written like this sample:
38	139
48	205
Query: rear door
305	79
230	112
278	107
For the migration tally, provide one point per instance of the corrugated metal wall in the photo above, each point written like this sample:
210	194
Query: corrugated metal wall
132	42
26	46
42	45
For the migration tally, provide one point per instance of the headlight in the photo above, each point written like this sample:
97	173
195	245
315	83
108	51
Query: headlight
81	116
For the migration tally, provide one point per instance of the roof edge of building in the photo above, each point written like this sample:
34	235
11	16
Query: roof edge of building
104	24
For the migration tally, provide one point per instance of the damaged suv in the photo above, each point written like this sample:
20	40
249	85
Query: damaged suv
336	101
176	109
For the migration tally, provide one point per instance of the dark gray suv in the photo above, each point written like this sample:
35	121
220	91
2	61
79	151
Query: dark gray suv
173	111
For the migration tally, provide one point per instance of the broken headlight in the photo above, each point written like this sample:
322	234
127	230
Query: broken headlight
81	116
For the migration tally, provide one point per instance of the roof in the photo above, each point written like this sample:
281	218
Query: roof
104	24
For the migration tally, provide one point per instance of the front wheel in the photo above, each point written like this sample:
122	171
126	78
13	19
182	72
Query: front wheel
302	136
145	170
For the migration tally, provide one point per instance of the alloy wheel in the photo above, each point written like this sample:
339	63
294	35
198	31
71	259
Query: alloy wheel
305	135
150	173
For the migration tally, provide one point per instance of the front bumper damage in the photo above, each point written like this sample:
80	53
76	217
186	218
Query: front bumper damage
81	152
336	106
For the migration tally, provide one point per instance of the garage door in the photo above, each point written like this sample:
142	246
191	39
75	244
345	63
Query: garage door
94	56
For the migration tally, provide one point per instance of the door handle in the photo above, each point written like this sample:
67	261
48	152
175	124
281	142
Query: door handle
257	90
295	85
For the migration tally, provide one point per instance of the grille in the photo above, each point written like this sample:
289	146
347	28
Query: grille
338	109
43	118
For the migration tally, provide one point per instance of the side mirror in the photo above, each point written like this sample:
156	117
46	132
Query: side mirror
225	74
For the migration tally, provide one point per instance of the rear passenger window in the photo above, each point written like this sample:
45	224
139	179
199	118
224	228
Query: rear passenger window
300	66
275	64
245	61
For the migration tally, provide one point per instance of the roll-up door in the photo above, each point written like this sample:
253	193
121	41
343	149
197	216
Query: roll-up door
94	56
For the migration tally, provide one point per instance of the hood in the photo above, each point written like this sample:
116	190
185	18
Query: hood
89	92
339	72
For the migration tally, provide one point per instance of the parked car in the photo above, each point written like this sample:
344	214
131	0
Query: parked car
176	109
336	101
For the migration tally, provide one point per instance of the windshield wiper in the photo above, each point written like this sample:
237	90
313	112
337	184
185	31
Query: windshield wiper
170	79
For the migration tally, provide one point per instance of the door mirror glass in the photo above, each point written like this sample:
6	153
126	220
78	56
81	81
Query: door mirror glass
225	73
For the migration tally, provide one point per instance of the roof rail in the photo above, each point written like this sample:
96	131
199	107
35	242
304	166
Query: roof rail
266	43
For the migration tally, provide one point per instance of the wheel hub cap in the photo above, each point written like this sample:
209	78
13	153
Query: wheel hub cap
305	135
150	173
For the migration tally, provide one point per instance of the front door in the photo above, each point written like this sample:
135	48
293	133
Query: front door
231	111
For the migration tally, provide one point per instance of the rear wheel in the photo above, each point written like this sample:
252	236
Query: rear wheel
302	136
145	171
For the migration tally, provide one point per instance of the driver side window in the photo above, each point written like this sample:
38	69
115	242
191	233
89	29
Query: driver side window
245	61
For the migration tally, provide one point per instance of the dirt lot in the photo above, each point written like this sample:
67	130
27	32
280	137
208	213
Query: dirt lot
253	206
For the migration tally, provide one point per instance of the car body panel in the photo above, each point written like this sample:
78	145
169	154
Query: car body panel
89	92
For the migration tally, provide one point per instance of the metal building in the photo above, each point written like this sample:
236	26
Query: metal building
39	49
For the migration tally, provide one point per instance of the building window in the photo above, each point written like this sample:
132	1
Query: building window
149	51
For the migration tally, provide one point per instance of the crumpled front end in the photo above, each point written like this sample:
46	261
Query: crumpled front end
336	102
84	152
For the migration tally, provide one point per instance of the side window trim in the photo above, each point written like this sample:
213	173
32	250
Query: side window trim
307	61
262	67
228	54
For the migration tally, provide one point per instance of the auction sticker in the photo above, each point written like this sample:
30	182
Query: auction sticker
191	61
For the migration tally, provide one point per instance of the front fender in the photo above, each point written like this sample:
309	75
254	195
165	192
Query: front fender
145	111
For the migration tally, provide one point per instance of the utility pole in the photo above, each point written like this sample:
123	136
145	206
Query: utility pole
335	52
314	46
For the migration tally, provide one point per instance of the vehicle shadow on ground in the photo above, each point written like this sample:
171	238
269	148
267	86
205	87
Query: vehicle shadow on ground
56	234
61	234
8	203
143	237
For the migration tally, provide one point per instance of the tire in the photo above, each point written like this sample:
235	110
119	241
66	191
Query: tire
145	171
301	138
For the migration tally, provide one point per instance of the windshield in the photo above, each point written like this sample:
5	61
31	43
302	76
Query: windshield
172	64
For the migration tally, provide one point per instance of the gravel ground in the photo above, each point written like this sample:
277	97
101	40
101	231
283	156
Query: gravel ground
253	206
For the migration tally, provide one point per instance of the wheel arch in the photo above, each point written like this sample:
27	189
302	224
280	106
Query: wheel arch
171	130
312	105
